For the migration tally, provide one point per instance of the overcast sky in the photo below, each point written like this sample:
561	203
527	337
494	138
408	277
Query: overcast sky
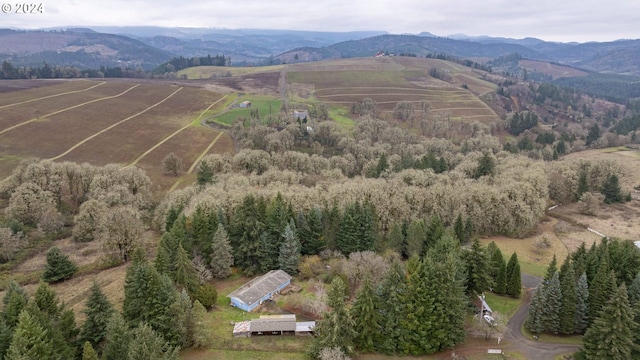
552	20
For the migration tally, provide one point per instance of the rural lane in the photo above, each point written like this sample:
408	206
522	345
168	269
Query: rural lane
516	341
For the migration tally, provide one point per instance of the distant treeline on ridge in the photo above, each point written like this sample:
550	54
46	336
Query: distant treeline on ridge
179	63
9	71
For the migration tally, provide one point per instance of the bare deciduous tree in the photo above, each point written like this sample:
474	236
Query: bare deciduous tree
28	202
10	243
120	232
171	164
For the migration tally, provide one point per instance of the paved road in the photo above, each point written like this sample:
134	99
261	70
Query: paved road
516	341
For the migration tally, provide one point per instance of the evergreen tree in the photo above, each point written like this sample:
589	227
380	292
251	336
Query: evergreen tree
117	339
582	305
579	260
416	319
458	229
514	282
166	254
336	329
445	278
611	190
289	256
367	319
147	344
600	289
634	291
148	296
583	185
551	269
348	235
98	311
390	296
330	225
501	279
477	262
367	226
201	326
469	229
550	317
15	300
416	237
496	260
221	254
58	267
245	228
534	319
486	166
593	134
204	225
185	274
612	334
205	174
29	340
434	232
311	232
277	219
396	240
88	353
569	298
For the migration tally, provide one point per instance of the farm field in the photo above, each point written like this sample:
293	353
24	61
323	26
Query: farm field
390	80
102	122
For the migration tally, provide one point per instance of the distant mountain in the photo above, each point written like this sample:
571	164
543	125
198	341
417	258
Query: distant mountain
621	57
414	44
147	47
82	48
242	45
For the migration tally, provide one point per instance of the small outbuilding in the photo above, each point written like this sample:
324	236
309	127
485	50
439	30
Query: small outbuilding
245	104
254	293
273	325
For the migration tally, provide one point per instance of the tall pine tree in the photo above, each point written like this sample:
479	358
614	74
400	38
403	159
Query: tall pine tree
98	311
336	329
289	256
367	319
613	331
514	282
582	305
221	254
568	289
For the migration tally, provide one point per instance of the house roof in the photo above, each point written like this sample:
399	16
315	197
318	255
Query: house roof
255	289
273	324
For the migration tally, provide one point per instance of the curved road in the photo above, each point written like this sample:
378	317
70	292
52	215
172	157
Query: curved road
516	341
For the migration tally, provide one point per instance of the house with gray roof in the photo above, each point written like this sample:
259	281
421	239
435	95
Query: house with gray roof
252	294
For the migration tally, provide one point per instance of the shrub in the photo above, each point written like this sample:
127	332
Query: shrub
207	295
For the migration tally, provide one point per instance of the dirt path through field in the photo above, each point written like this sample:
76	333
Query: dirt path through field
67	109
114	125
177	132
52	96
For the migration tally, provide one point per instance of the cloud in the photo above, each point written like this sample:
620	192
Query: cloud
567	20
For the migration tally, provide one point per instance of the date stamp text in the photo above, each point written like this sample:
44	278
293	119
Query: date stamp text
22	8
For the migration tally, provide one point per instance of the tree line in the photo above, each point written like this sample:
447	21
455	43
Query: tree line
594	291
180	62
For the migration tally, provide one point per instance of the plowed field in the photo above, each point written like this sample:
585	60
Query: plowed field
102	122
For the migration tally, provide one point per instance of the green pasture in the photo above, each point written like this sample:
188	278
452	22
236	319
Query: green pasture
264	104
